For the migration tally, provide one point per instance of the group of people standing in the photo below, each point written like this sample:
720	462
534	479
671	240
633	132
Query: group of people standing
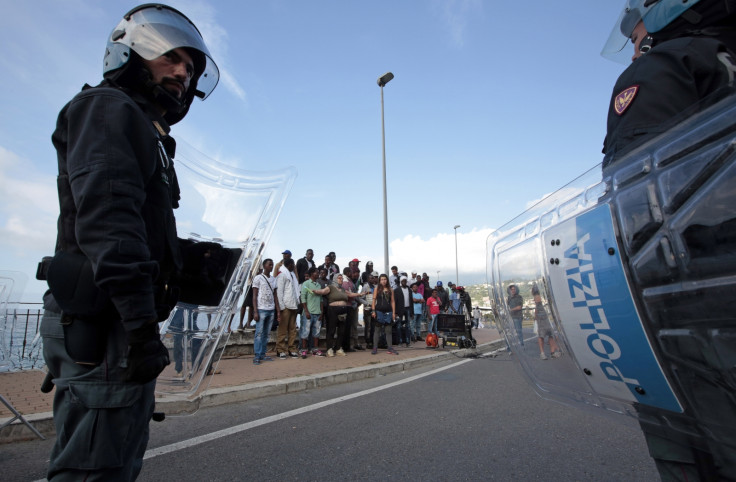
543	326
394	306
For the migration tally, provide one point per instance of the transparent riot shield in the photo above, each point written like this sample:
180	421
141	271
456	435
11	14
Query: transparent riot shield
225	219
524	258
635	266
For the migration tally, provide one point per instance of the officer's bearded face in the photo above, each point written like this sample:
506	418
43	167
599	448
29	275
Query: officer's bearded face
173	71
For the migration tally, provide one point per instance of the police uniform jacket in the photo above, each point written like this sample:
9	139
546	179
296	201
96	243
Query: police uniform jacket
661	87
117	193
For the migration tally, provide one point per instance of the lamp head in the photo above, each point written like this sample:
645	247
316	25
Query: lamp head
385	79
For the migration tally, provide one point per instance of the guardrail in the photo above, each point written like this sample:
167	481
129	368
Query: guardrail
20	342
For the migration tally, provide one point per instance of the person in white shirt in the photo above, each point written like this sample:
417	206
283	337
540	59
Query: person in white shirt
476	317
404	310
287	292
394	279
265	309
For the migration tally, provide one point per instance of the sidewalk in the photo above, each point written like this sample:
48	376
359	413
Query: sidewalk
237	380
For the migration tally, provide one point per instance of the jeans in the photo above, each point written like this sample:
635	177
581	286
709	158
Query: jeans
310	325
432	324
184	327
404	322
416	325
263	330
368	326
352	339
383	324
519	331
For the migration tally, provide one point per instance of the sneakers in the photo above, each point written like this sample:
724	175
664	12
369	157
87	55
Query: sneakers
359	347
256	361
374	351
330	352
282	356
266	358
341	352
304	353
557	354
317	353
543	356
293	354
392	351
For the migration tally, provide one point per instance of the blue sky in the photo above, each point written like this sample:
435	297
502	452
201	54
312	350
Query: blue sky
493	105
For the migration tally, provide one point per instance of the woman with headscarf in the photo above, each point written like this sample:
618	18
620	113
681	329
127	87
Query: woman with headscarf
337	315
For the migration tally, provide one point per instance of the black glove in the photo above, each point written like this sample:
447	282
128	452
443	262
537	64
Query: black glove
147	356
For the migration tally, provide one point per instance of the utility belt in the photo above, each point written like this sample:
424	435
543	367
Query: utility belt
87	312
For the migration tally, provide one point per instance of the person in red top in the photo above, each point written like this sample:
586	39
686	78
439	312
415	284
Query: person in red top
433	303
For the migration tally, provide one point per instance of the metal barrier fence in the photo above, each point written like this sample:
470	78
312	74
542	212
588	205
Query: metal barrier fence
20	340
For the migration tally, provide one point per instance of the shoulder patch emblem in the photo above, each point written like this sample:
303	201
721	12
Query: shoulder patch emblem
624	99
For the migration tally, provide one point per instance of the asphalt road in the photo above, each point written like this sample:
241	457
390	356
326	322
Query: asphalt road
475	420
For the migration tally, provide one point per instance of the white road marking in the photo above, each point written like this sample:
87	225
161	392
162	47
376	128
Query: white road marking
281	416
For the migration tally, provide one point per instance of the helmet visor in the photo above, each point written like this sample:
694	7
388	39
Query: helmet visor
154	30
621	33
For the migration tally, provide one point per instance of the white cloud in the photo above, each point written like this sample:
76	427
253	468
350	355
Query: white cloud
412	253
232	85
215	37
535	201
456	14
28	212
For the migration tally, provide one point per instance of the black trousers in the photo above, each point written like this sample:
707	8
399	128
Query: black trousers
335	324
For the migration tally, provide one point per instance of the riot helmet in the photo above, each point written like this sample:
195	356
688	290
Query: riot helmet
667	19
148	32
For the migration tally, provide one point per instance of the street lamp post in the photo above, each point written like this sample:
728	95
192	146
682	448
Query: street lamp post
457	277
383	80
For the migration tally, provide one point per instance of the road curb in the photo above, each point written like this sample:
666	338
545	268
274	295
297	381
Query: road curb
18	431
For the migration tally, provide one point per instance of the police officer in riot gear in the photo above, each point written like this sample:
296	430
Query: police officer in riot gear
691	57
114	274
689	64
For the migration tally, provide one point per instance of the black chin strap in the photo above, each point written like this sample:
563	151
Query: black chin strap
163	97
